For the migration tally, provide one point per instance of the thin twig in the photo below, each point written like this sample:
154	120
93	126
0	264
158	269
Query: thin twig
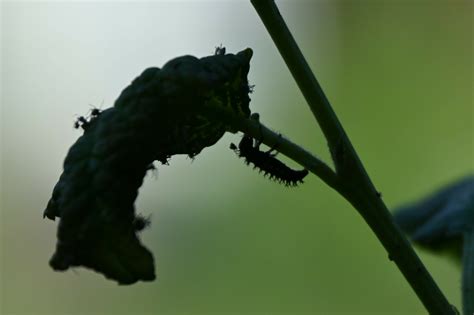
270	138
354	184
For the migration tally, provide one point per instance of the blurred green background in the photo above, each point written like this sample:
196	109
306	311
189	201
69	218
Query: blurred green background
225	239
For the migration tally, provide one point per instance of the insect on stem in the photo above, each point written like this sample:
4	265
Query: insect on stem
266	162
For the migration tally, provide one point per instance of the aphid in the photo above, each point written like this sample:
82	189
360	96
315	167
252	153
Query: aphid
220	50
267	162
95	112
81	122
140	222
251	88
164	160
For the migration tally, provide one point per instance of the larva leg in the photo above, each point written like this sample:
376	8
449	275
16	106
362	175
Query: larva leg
256	117
274	148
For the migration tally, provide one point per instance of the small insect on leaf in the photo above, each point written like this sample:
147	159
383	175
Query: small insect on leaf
140	222
251	88
220	50
266	162
95	112
81	122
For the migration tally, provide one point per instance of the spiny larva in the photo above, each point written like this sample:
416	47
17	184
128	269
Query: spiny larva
266	162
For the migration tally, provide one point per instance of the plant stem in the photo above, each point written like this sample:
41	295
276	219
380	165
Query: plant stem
354	184
468	273
270	138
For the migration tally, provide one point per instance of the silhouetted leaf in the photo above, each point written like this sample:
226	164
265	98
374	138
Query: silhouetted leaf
161	113
440	219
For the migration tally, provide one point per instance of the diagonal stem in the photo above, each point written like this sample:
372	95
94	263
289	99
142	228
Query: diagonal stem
354	184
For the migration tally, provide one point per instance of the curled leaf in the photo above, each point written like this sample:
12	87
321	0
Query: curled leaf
161	113
440	220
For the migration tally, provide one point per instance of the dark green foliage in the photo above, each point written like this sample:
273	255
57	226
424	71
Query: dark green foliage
176	97
440	220
444	222
161	113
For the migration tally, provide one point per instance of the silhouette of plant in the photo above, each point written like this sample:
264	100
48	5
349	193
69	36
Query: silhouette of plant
180	109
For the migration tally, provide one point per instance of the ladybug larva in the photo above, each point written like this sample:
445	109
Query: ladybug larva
267	163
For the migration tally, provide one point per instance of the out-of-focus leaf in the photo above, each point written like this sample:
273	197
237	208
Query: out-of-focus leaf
440	220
